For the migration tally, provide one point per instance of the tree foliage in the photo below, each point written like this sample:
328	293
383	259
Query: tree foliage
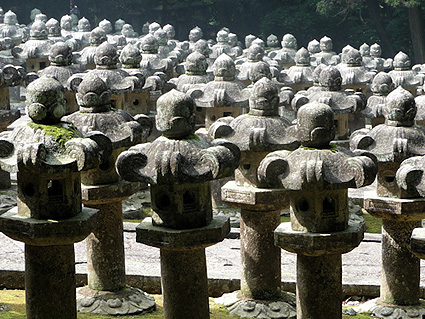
345	21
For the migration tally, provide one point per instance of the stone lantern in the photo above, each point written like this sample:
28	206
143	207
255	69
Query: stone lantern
299	76
103	190
86	56
317	176
255	55
222	45
343	103
258	133
285	56
10	76
403	75
178	166
48	155
194	35
354	75
36	50
224	96
137	100
272	44
83	33
66	26
11	28
119	82
381	64
61	68
394	202
381	86
130	35
118	26
313	48
195	77
54	31
327	55
151	58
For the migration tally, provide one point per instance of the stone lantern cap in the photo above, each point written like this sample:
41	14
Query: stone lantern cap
402	75
60	54
151	58
351	68
382	85
97	36
398	138
84	25
262	129
96	114
130	56
302	57
401	61
224	90
272	41
340	101
302	72
38	45
316	164
178	156
196	64
53	27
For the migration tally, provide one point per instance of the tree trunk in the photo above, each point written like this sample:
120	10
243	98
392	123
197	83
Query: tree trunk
375	13
416	33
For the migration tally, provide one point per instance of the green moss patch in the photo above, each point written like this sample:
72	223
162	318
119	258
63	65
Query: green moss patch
62	132
332	147
12	306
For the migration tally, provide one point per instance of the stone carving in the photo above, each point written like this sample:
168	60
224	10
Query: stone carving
178	166
194	36
102	190
343	103
256	134
119	82
299	76
224	96
11	29
35	51
222	45
54	31
83	33
118	26
380	63
381	86
392	142
61	68
86	57
66	26
48	155
151	58
317	175
403	76
285	56
137	100
354	75
327	55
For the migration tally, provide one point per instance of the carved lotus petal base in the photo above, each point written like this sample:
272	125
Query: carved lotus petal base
264	309
124	302
379	309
